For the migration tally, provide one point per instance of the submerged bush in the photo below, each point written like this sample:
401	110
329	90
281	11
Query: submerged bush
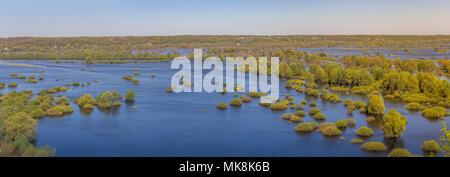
431	146
2	85
300	113
88	106
348	102
434	112
356	141
278	106
129	96
60	110
399	152
222	105
75	84
236	102
314	111
351	122
374	147
12	85
324	125
265	104
331	131
84	100
169	89
313	103
37	113
364	131
116	104
320	116
414	106
254	94
62	100
341	123
304	127
246	99
287	116
296	119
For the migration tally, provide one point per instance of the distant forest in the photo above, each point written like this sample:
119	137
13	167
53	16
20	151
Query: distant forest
123	47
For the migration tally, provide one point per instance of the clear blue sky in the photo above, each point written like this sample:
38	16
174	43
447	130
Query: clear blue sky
221	17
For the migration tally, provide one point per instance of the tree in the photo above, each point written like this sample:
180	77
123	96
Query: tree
21	124
394	124
375	105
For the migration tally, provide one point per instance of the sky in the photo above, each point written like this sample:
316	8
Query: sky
68	18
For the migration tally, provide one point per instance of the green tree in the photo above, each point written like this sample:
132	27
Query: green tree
394	124
21	124
375	105
445	147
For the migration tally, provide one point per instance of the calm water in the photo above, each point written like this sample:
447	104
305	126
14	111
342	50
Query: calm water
188	124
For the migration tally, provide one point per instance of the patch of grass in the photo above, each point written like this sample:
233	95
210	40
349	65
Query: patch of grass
305	127
414	106
313	103
287	116
434	112
300	113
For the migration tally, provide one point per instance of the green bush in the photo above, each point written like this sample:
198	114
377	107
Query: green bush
431	146
62	100
136	73
314	111
221	105
434	113
300	113
341	123
265	104
236	102
116	104
129	97
414	106
364	131
348	102
2	85
351	122
399	152
394	124
278	106
370	119
303	102
313	103
37	113
12	85
87	106
287	116
246	99
305	127
331	131
296	119
31	81
85	99
153	75
298	106
169	89
324	125
356	141
319	116
254	94
374	147
359	104
75	84
60	110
